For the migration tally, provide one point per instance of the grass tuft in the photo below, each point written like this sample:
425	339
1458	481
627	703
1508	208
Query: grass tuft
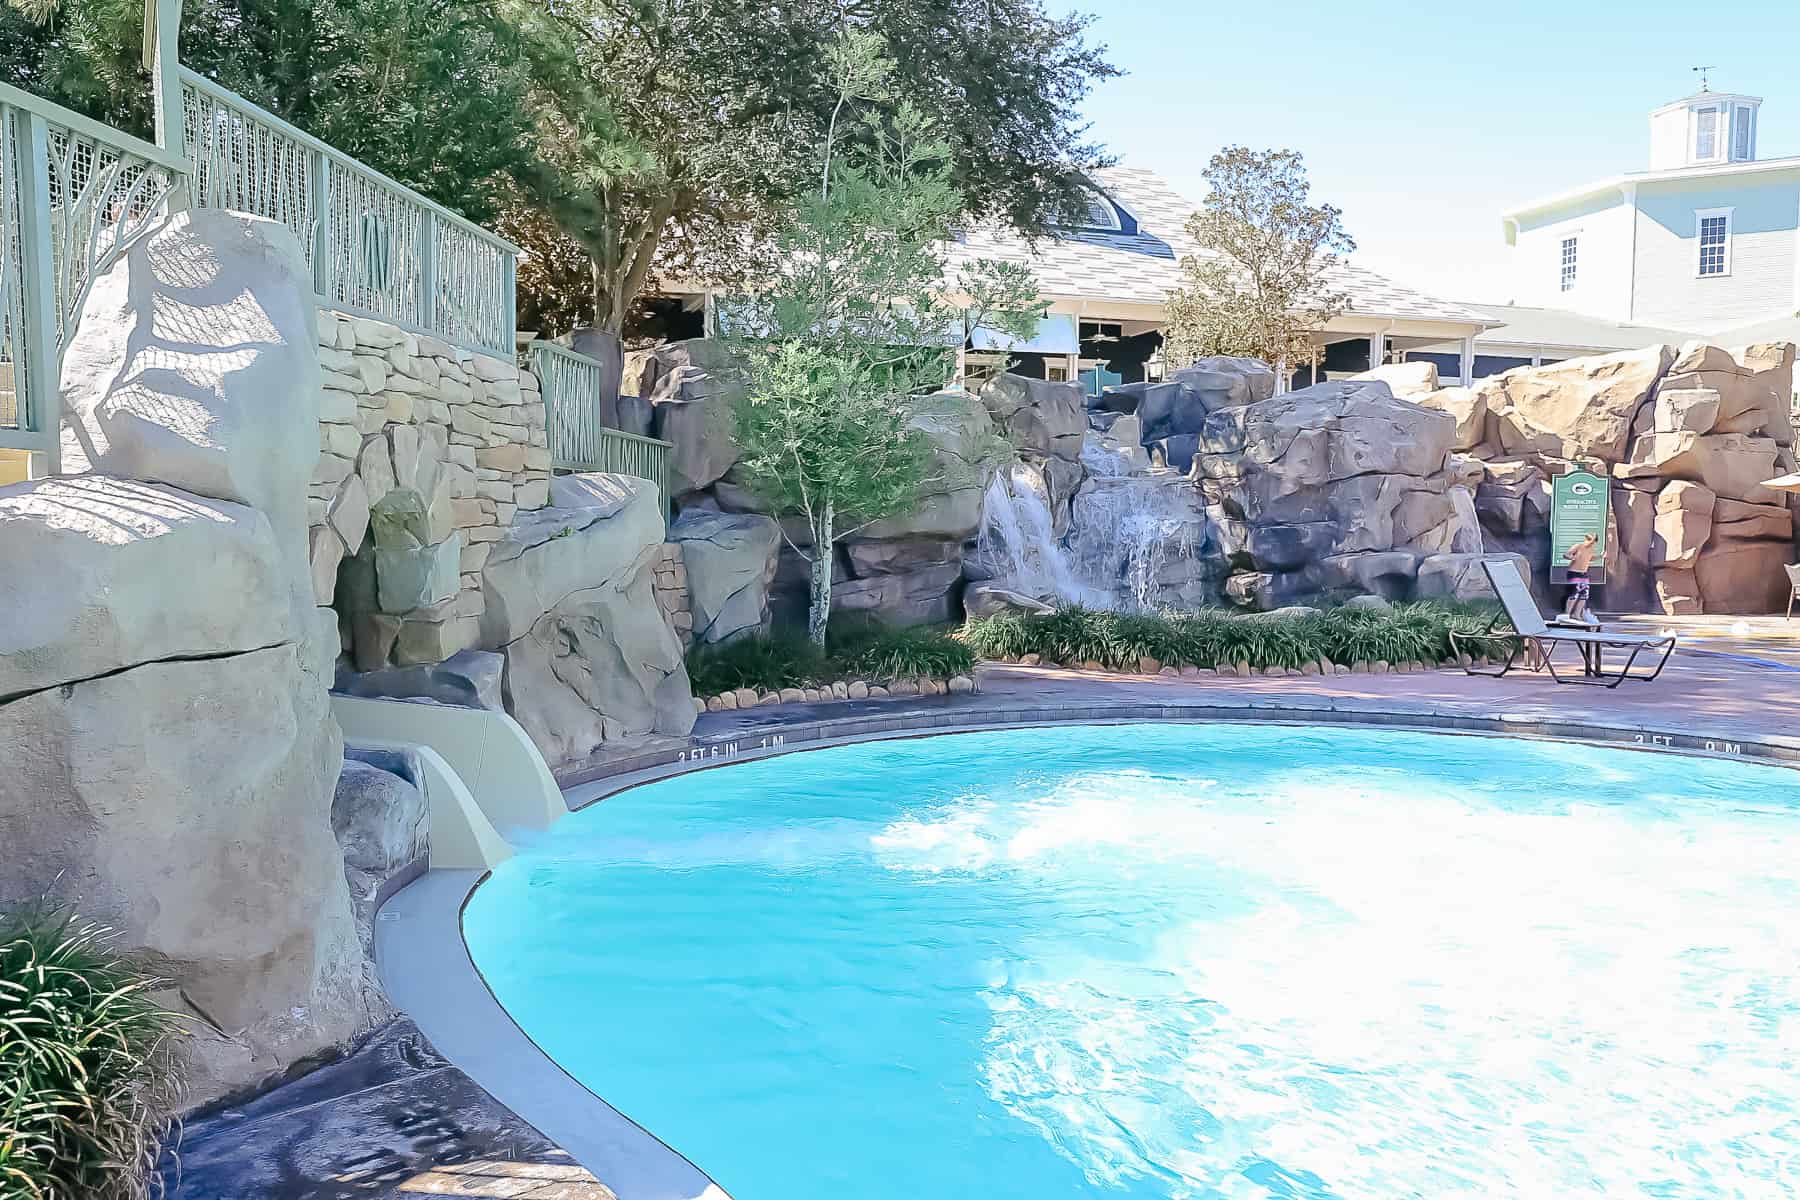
85	1085
1414	632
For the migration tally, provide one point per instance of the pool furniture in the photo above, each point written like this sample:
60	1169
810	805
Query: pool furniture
1530	630
1793	570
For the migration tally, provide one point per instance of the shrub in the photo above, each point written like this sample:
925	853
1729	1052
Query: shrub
85	1087
1418	632
877	653
863	651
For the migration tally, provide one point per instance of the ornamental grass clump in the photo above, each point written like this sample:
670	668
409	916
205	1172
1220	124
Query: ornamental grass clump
1415	632
85	1083
857	651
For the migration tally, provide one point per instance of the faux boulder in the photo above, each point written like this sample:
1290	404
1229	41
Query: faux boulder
730	561
221	400
569	602
174	763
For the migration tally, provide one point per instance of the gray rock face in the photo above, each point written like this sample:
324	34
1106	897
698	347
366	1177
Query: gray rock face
730	560
691	391
1337	488
570	603
467	679
186	804
1037	415
378	818
382	828
965	449
176	780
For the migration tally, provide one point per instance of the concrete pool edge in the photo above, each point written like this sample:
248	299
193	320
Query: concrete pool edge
775	738
429	972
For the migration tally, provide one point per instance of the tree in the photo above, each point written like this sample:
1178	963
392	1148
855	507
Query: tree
839	346
676	133
430	92
1264	278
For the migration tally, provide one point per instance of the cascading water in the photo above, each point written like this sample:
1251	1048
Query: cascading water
1018	539
1134	539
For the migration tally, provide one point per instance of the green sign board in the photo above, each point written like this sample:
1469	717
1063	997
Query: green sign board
1577	508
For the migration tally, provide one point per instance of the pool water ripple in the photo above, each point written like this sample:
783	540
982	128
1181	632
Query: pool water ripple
1180	961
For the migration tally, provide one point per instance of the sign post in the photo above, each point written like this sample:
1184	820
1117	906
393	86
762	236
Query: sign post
1578	507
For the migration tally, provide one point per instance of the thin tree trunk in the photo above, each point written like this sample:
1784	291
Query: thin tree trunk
820	613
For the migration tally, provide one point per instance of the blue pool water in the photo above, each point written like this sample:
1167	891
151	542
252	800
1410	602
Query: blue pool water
1180	961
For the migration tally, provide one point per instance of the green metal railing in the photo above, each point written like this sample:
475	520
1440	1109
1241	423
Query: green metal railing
571	385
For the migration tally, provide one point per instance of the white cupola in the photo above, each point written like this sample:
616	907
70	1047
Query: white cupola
1704	129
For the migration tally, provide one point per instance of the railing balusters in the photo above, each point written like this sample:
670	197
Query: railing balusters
570	384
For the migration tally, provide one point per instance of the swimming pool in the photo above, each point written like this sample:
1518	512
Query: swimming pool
1180	961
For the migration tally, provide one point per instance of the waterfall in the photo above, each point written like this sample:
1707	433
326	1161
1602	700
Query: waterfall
1139	537
1018	542
1134	540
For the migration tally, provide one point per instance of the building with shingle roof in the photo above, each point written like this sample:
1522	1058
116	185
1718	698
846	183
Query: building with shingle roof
1107	281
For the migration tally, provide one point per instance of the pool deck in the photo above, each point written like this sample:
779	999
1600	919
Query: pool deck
411	1123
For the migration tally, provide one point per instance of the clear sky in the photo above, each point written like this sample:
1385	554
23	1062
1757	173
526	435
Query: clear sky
1422	121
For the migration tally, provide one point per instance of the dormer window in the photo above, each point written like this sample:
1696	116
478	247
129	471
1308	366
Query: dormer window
1101	214
1096	212
1706	133
1743	144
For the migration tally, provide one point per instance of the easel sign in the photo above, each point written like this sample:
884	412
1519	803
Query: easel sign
1578	507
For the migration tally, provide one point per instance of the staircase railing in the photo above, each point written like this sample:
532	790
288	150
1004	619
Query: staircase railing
579	441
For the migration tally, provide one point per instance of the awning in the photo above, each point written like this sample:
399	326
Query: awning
1056	334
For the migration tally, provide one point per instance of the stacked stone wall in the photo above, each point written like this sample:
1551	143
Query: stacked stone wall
671	586
427	453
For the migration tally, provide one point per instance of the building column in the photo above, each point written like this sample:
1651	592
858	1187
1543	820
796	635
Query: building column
1468	361
1377	349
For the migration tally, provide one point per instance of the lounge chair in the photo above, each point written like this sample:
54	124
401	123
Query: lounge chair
1528	625
1793	572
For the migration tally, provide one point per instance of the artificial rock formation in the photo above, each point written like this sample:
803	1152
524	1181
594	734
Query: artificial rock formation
165	669
729	562
568	600
1333	490
1687	434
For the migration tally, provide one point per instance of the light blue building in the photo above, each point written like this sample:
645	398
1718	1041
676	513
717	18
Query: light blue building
1707	239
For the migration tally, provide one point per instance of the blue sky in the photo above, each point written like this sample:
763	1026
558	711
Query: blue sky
1423	121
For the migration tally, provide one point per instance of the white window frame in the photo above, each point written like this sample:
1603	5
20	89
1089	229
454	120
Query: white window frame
1700	216
1721	131
1568	260
1748	114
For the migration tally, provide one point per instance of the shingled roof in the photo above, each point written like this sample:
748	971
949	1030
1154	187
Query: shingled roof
1141	268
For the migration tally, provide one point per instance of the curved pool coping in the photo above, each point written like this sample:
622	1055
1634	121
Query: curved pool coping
427	969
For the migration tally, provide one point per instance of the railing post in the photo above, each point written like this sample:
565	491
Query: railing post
162	56
428	266
43	384
509	300
318	187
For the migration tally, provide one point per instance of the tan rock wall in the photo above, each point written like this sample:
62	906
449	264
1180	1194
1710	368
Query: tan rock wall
1688	434
669	580
427	452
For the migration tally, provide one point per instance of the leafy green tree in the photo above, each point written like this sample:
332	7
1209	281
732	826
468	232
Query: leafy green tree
676	133
1265	277
840	344
431	92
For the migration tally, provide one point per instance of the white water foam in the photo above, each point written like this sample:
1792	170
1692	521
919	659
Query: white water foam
1590	1000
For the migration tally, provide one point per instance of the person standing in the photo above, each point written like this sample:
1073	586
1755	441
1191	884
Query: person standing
1580	557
